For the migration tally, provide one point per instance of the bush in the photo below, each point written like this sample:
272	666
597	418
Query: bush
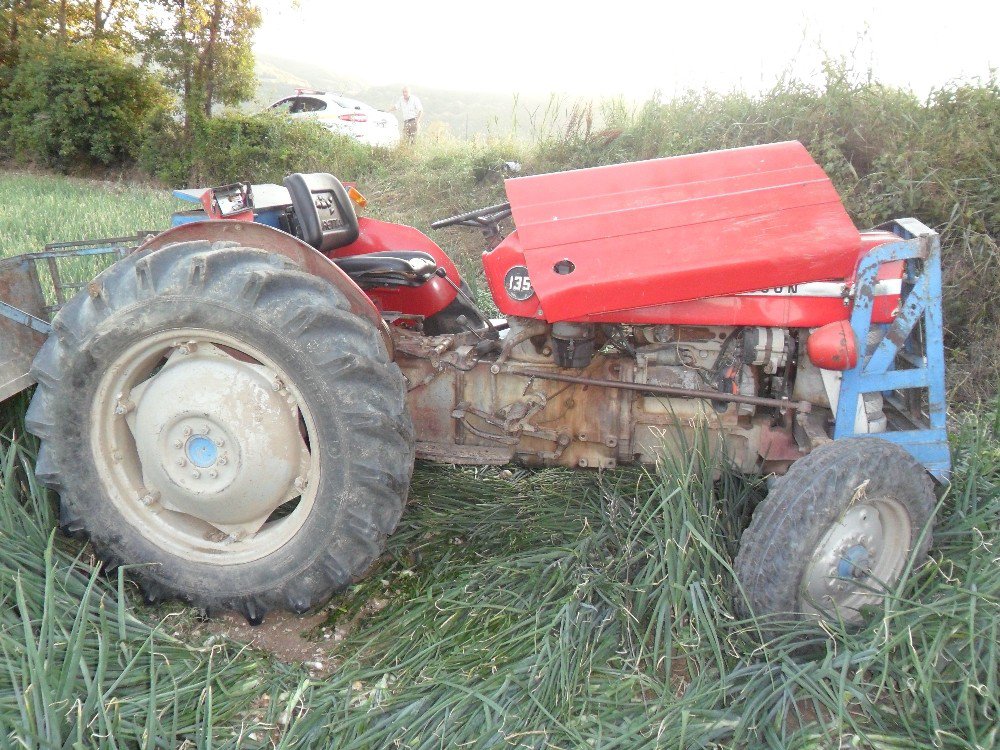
252	148
164	153
80	105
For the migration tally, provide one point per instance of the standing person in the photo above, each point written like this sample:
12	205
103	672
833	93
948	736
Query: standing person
412	110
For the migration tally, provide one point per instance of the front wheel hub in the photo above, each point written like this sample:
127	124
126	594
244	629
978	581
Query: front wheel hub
217	440
854	563
862	551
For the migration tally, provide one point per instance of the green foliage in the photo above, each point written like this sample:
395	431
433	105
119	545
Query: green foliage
204	50
69	93
21	19
110	23
75	105
248	148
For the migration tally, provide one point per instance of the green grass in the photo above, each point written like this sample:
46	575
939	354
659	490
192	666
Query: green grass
536	609
39	209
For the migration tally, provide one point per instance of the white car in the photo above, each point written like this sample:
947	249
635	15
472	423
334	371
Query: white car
340	114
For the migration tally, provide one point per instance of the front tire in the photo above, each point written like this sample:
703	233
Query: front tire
835	532
220	420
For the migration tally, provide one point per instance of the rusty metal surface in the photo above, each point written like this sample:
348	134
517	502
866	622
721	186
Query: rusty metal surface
18	343
671	391
469	410
471	455
467	413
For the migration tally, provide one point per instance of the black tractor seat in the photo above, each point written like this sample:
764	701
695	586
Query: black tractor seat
389	268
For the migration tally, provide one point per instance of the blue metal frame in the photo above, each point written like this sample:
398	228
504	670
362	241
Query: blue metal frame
118	247
24	318
909	359
268	210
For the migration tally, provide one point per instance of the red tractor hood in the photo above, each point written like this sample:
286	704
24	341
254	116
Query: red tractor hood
682	228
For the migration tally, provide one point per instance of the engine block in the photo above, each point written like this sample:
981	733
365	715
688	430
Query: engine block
481	404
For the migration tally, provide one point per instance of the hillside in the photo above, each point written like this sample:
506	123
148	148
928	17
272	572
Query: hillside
464	114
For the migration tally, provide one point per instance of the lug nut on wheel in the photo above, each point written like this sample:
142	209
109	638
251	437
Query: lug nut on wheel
149	498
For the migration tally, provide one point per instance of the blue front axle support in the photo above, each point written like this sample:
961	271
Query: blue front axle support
907	364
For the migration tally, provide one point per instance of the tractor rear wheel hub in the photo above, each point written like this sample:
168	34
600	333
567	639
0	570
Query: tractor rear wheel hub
216	440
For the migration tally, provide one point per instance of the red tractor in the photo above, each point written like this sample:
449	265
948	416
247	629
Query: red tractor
234	406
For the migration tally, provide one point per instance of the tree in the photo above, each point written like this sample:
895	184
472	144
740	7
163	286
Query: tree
204	50
108	22
20	20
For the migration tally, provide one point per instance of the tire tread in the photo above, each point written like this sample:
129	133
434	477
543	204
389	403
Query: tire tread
302	308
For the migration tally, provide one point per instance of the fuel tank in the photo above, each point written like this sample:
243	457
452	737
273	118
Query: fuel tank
591	243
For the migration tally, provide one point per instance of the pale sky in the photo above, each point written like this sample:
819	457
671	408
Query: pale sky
632	48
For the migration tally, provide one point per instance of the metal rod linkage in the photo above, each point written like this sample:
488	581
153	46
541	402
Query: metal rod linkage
666	390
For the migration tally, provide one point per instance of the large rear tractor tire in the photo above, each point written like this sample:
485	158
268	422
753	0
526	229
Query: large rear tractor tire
835	533
221	422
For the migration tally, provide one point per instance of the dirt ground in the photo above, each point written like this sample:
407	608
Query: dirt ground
309	640
288	637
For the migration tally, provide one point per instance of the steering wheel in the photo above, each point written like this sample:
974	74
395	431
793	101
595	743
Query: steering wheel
480	218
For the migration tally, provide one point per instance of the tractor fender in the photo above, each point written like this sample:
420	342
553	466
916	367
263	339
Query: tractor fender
263	237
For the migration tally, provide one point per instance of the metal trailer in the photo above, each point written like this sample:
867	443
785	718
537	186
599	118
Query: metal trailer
33	287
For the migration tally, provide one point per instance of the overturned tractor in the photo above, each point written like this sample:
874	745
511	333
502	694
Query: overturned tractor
236	403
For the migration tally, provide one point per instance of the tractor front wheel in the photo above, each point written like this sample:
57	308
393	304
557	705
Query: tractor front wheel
221	422
835	533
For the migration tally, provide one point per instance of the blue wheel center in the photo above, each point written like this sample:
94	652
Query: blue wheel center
201	451
854	563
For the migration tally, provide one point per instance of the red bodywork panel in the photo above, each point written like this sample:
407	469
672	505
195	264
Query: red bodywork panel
806	305
429	298
689	239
